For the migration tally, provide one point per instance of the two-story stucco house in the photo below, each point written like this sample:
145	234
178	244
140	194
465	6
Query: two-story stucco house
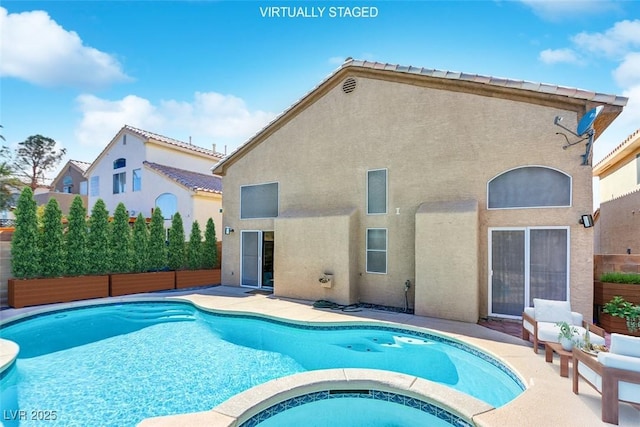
384	176
618	225
145	170
69	183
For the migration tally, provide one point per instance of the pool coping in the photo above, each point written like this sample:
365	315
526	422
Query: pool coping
545	388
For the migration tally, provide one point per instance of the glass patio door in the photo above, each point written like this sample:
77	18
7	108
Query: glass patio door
527	263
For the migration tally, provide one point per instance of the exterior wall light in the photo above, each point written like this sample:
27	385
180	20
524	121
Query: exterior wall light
586	221
228	230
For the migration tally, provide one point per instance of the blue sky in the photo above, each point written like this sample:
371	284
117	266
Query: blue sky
218	71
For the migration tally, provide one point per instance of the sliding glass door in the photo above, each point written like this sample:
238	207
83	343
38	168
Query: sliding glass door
527	263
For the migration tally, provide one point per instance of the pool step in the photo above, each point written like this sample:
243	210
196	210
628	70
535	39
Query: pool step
153	313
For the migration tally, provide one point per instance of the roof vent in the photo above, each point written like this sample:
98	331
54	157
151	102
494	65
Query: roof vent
349	85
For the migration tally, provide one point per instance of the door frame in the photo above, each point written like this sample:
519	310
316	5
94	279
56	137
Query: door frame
527	263
260	261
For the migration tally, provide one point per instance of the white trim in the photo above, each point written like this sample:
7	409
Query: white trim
277	200
531	207
386	250
386	190
527	264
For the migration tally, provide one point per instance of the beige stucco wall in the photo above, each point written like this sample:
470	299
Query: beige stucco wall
447	260
310	244
436	145
618	226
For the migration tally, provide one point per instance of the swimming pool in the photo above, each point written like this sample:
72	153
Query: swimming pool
105	364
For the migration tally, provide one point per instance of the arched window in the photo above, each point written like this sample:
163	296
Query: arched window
119	163
168	204
529	187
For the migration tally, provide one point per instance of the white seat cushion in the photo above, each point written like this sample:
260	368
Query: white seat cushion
552	311
628	392
625	344
549	332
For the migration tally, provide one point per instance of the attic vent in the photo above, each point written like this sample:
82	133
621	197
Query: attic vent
349	85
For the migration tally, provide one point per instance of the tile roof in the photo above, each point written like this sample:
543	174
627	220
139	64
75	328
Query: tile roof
494	81
83	166
625	146
193	180
156	137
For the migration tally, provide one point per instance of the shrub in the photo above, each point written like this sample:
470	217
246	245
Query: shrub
120	241
617	277
140	244
176	255
24	244
210	250
52	253
157	243
76	263
98	239
194	247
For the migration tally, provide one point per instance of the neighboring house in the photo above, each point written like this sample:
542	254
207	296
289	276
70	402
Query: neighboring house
69	183
617	229
145	170
455	184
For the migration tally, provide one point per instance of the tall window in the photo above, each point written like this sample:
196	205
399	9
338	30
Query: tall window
377	191
67	184
83	188
377	250
137	180
259	201
119	182
529	187
94	186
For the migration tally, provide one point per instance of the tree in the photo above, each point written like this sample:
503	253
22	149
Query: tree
24	243
120	241
140	245
194	247
9	184
98	239
76	239
35	156
210	250
176	255
157	242
52	253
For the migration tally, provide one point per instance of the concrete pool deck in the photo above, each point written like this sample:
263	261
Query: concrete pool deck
548	400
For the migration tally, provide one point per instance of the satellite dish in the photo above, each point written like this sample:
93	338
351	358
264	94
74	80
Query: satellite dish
585	123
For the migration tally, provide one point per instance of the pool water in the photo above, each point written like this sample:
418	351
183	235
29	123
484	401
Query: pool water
117	364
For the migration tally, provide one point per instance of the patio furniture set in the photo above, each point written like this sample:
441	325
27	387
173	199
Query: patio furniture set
615	373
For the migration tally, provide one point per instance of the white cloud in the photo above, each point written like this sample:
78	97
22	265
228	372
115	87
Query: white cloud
614	42
37	49
628	73
210	117
554	10
553	56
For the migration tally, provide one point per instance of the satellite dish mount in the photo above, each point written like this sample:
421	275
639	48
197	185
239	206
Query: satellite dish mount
584	131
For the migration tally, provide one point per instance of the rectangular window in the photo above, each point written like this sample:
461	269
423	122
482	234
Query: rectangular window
137	180
83	188
377	250
377	191
119	182
95	186
259	201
